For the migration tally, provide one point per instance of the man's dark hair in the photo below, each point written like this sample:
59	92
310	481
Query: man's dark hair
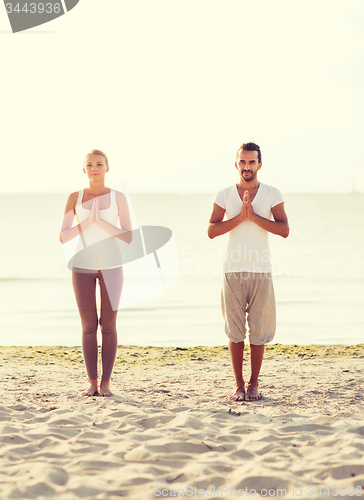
250	146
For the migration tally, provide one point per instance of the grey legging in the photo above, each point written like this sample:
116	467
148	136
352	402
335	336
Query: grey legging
84	285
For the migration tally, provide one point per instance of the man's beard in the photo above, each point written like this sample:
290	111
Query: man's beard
251	177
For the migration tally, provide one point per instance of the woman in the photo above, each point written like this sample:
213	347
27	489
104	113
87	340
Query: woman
97	256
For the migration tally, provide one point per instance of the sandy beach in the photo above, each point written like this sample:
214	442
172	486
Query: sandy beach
170	429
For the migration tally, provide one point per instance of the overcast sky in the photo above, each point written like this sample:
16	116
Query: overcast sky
170	89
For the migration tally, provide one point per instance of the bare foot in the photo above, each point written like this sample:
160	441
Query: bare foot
105	389
239	394
252	393
92	390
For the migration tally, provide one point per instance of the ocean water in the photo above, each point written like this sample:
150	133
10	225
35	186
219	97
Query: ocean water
318	273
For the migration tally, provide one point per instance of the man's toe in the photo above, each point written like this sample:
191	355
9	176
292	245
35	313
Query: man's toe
253	397
238	396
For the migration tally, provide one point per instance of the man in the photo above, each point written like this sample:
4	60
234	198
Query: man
247	290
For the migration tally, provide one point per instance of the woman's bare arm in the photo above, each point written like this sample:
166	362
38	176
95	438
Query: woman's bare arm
123	233
67	231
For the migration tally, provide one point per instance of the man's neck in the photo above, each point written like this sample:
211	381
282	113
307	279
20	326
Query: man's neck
246	185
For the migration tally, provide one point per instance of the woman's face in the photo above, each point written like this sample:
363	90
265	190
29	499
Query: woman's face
95	167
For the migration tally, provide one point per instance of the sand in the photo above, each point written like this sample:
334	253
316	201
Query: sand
170	429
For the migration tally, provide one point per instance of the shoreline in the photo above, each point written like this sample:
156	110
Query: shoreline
137	355
132	354
171	425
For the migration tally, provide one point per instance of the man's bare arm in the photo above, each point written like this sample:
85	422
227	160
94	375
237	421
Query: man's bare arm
277	226
218	226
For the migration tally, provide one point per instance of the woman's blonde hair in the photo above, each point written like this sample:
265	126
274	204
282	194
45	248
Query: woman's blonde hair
96	152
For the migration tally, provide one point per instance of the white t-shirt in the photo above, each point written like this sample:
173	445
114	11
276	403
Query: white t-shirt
247	247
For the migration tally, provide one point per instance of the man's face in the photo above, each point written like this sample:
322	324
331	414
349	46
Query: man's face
247	164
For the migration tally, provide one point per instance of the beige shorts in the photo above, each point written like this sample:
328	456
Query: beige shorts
249	297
